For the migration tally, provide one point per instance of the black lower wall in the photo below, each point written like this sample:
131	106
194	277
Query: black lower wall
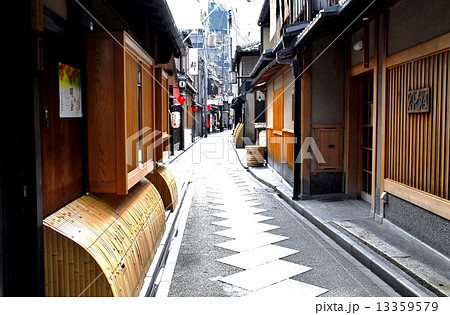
326	183
282	169
321	183
428	227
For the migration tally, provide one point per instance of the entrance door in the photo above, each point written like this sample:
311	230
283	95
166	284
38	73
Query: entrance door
62	171
366	129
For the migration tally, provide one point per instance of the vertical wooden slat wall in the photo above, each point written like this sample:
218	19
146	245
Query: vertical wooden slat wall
103	245
288	149
418	144
280	146
274	145
278	110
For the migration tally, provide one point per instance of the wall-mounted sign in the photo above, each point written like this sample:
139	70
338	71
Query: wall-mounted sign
419	101
69	91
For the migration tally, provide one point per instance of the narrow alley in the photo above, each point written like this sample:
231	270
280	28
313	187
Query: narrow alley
241	239
189	153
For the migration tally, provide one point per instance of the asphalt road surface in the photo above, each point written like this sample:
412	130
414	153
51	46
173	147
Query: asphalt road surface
240	239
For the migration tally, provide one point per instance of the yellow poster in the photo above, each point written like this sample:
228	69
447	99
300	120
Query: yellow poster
69	91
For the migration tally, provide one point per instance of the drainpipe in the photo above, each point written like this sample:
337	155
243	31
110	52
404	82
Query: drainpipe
383	201
297	68
308	10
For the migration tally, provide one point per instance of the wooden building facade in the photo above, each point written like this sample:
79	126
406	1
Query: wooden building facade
371	90
82	198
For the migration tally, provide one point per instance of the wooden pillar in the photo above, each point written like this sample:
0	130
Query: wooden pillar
375	113
297	68
305	123
21	262
383	100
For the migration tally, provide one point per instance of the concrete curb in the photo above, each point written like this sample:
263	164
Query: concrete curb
150	286
389	275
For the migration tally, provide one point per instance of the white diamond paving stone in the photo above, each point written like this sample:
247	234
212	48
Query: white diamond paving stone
265	275
243	222
241	216
288	288
258	240
240	233
257	256
244	231
240	211
240	206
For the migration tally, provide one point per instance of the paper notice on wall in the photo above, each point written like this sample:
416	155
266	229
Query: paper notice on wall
69	91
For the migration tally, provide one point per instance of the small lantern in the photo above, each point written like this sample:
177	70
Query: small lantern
175	119
181	99
195	108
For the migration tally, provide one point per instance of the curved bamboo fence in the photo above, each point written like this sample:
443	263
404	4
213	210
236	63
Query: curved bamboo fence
166	185
103	245
237	136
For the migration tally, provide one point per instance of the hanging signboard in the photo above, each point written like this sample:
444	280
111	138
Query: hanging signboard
69	91
193	61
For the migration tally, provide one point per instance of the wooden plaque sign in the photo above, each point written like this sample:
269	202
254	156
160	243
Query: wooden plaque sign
419	101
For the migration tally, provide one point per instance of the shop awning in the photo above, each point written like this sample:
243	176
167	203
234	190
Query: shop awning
267	72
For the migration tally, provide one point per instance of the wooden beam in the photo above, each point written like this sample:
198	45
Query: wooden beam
430	47
430	202
361	69
366	46
37	15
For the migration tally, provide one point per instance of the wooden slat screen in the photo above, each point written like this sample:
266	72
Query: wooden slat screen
418	144
274	145
278	110
281	147
288	149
